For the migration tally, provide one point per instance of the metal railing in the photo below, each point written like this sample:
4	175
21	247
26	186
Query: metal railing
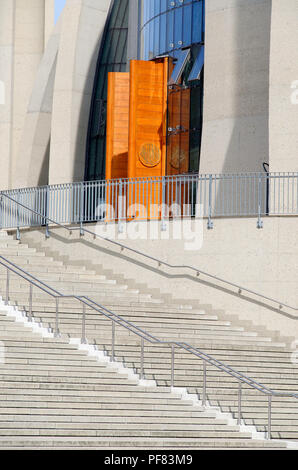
278	305
85	301
156	198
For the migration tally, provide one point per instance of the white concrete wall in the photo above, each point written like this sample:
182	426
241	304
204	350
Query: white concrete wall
82	27
49	19
265	261
33	169
283	120
236	103
28	50
6	78
22	39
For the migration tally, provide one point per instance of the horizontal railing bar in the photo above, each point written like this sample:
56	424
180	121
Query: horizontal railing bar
148	337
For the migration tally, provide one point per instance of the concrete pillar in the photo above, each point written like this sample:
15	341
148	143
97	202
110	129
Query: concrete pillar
283	121
7	8
83	23
236	103
22	37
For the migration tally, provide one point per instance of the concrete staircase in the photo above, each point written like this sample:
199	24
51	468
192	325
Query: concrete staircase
247	351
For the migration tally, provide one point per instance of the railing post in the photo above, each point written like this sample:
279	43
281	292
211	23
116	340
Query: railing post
172	365
18	235
142	360
81	209
210	223
83	339
47	213
113	342
120	201
57	334
260	222
269	416
30	301
163	226
7	286
239	402
204	397
1	211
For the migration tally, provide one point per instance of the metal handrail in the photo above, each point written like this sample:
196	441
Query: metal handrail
86	301
198	272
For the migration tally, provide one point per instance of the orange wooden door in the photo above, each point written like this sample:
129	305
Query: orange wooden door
147	131
116	141
117	125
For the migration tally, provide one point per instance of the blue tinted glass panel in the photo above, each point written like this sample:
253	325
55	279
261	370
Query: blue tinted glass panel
187	25
156	7
197	22
198	65
163	5
170	30
183	57
180	24
156	50
178	28
163	34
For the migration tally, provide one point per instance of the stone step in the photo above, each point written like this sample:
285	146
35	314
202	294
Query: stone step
136	443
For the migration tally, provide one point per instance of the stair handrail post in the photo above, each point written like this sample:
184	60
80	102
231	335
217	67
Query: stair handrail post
113	341
57	333
30	301
269	416
204	395
84	339
142	359
172	365
7	286
239	402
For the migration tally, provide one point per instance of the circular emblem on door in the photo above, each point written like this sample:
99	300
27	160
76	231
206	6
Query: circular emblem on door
149	154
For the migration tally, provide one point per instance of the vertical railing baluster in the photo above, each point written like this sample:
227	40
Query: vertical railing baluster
172	365
269	416
163	205
30	301
210	223
113	342
260	222
81	209
56	334
204	397
142	360
239	402
7	286
84	339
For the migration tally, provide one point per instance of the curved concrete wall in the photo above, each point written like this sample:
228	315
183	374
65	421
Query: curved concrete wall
283	121
236	104
82	26
33	159
24	27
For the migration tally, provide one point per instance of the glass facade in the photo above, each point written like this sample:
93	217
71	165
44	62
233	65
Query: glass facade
176	28
112	58
169	25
